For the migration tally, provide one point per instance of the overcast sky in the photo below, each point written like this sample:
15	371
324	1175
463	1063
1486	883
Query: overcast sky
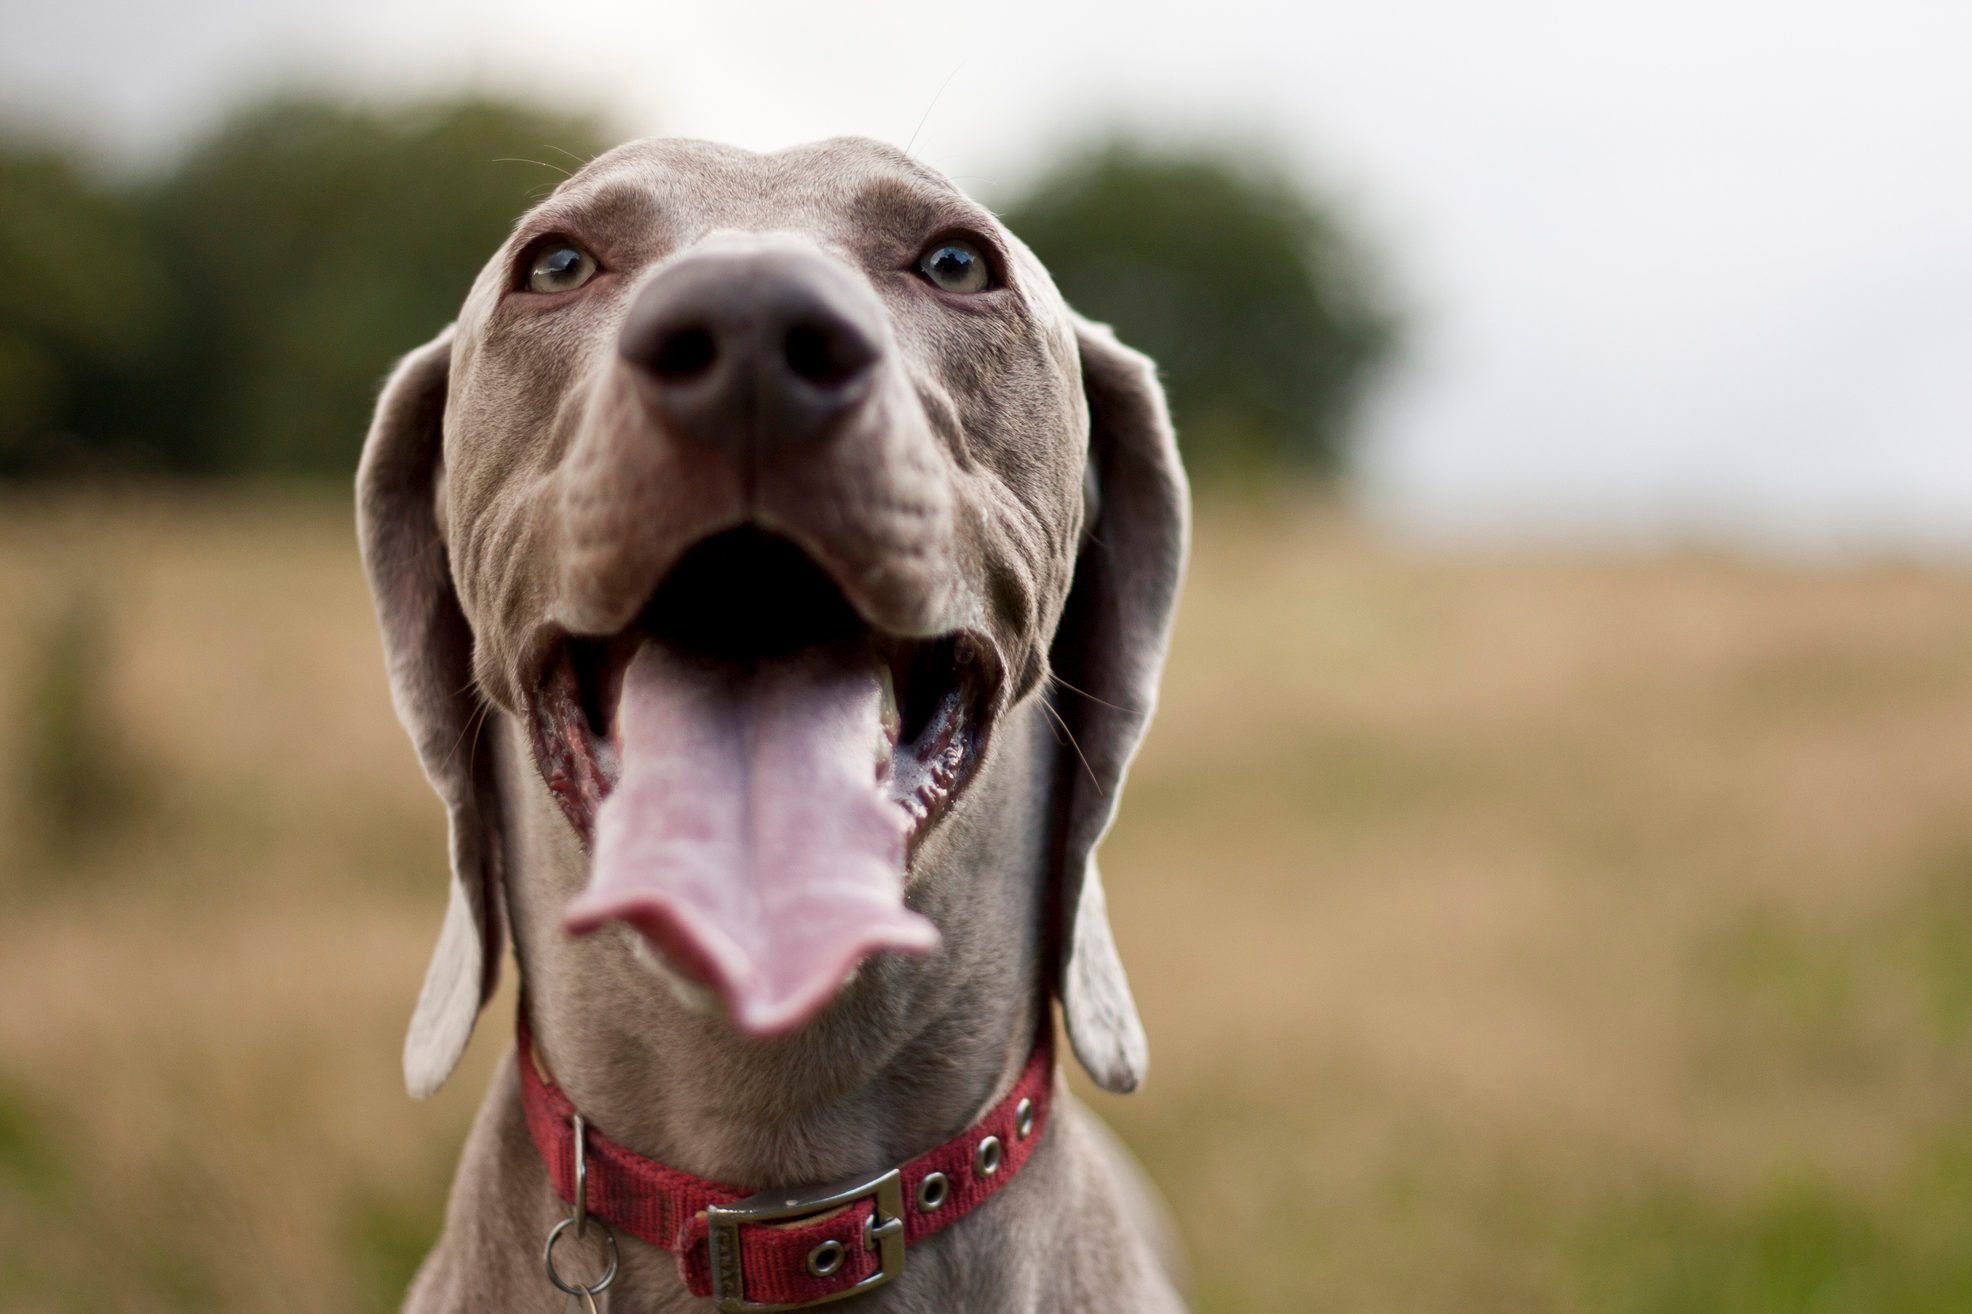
1674	269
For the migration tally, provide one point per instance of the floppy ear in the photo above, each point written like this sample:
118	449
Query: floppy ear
1108	653
428	650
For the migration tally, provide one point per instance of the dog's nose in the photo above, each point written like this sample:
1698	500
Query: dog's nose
754	348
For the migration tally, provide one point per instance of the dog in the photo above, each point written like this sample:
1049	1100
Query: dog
774	577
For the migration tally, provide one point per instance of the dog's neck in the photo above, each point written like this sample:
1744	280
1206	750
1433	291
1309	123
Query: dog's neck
911	1051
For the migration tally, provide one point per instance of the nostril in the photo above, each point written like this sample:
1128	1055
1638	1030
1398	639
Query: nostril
826	355
684	354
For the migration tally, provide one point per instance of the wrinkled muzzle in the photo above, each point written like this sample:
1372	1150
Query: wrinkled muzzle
762	687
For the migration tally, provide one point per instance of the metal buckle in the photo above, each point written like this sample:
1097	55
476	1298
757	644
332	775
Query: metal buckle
885	1230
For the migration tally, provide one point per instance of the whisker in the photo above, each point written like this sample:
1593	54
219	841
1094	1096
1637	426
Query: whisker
926	116
522	159
485	715
1072	744
1052	729
453	753
1127	711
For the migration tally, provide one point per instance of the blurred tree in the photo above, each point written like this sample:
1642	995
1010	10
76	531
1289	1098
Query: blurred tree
82	309
308	244
237	313
1263	316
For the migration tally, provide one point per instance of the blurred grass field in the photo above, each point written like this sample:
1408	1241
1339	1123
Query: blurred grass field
1516	931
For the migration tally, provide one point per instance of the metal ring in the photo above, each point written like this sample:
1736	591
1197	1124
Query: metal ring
933	1192
1023	1119
825	1260
548	1259
987	1157
581	1176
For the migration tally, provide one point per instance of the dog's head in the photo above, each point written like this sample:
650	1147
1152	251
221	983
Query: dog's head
760	489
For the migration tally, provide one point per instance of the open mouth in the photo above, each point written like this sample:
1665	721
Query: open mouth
750	765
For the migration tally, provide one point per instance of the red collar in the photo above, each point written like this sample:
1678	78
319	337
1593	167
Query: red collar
788	1249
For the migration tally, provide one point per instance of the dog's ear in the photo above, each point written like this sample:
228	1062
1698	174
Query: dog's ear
1108	653
428	652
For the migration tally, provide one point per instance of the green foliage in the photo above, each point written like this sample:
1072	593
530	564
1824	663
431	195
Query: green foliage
310	244
1263	316
237	313
83	305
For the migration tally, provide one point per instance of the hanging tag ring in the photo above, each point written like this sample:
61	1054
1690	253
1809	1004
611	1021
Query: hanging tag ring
591	1289
580	1221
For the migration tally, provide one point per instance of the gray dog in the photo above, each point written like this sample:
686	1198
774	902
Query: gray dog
774	577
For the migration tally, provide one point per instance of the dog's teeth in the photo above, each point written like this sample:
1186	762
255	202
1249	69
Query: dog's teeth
890	720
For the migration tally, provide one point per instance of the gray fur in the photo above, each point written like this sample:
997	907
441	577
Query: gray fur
1014	474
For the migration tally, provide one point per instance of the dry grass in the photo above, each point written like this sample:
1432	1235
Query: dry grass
1518	933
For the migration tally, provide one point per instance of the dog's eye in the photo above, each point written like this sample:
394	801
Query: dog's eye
955	265
559	266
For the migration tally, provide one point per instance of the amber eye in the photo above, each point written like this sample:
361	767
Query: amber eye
558	265
955	265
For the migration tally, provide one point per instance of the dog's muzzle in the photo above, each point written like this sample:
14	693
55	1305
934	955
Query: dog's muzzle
759	702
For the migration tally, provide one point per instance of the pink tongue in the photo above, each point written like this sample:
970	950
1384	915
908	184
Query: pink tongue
747	837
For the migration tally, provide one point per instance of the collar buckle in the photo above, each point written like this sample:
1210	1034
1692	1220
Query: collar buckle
885	1231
